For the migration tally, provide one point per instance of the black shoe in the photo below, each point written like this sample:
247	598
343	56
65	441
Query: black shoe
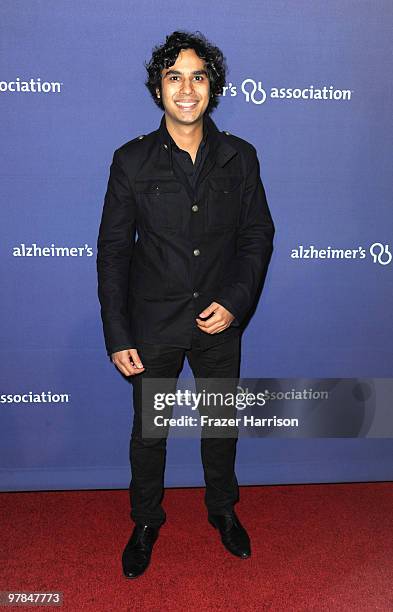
137	553
233	535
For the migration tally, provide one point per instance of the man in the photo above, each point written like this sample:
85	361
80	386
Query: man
204	240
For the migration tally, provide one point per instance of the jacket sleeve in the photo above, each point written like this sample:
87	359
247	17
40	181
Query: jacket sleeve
115	244
254	247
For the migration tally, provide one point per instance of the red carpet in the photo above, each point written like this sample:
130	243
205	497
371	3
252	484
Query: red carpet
315	547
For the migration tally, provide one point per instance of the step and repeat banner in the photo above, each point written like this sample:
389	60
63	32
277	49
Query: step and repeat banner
310	86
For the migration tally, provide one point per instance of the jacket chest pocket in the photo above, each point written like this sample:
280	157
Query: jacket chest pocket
223	202
159	203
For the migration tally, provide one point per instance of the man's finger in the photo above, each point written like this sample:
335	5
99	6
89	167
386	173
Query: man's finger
135	358
216	318
121	367
211	308
124	370
218	328
213	325
127	368
128	362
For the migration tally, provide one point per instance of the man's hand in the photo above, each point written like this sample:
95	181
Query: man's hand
221	319
128	362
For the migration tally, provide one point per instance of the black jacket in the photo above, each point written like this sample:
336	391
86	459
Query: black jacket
165	252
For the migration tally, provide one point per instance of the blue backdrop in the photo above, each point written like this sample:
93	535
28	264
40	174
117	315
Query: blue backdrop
310	85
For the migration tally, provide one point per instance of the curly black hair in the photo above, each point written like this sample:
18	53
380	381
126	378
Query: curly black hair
164	56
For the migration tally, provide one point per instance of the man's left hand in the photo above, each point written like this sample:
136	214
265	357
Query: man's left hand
220	320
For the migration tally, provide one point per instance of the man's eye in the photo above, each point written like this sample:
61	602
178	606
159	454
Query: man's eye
197	76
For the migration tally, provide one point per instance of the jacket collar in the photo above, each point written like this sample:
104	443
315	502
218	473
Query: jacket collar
220	151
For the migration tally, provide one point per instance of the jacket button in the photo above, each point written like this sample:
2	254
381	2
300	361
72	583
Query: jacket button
195	294
195	208
196	252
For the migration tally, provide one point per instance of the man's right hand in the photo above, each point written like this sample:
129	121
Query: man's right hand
128	362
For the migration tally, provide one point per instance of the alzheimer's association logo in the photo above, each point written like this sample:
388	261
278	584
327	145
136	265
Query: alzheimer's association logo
380	253
253	91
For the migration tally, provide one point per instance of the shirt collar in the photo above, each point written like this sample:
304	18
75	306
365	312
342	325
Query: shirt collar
169	140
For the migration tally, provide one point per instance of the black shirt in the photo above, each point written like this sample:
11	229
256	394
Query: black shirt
183	161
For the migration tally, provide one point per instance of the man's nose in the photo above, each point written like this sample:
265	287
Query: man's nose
187	86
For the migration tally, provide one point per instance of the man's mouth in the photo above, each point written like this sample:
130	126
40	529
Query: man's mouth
189	105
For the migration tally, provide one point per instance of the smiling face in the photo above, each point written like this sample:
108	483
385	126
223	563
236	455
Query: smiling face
185	88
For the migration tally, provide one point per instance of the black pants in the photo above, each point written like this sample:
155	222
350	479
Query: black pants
147	455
